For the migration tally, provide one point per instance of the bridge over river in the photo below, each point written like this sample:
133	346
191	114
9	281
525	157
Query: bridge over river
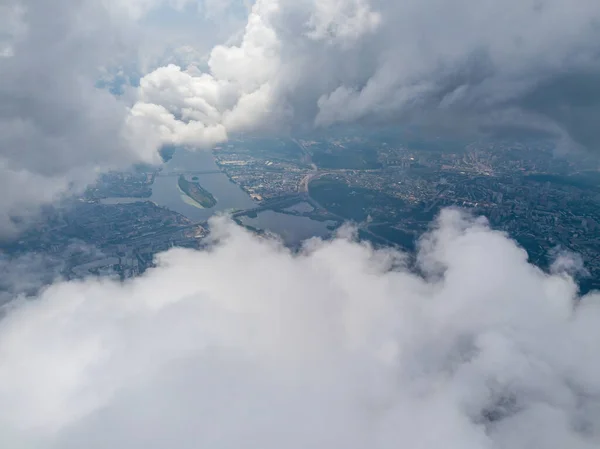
188	172
278	203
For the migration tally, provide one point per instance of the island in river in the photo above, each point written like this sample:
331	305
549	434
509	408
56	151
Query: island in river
196	192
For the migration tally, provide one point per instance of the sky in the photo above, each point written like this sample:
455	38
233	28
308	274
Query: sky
246	343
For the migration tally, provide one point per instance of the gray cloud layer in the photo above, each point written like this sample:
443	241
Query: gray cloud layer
56	128
464	65
249	345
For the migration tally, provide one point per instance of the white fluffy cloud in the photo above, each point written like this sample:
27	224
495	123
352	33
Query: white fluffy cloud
247	344
199	109
57	130
532	62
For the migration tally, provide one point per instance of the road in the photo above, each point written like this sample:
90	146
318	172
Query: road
307	159
303	185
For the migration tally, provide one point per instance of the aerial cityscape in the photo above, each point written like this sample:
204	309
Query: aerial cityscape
299	188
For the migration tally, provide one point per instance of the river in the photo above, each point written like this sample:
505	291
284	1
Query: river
165	192
228	195
292	229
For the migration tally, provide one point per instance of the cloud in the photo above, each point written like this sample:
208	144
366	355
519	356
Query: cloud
26	274
533	63
56	129
337	346
199	109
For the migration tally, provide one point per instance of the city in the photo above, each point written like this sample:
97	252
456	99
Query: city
389	190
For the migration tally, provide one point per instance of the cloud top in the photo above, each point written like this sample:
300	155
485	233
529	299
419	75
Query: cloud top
340	345
464	66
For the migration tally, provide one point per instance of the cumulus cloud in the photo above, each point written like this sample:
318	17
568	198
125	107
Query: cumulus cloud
248	344
56	129
306	63
200	109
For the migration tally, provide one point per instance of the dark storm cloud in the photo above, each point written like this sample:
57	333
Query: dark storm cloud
464	65
573	101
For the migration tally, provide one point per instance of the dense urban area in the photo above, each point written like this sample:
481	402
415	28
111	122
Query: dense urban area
391	187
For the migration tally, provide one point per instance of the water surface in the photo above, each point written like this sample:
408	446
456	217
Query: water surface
165	191
229	196
292	229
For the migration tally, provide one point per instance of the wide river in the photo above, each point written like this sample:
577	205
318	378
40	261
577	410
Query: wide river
292	229
228	195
